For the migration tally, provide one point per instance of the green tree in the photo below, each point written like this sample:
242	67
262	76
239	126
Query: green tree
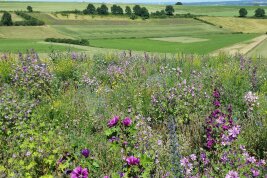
259	12
102	10
128	10
144	13
137	10
243	12
6	19
29	8
90	9
169	10
116	10
179	3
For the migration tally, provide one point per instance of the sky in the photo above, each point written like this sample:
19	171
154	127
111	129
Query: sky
144	1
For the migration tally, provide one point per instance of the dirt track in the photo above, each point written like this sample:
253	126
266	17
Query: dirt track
241	48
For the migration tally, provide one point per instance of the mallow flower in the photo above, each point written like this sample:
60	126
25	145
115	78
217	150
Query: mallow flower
113	121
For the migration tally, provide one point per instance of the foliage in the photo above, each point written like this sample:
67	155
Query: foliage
82	42
179	3
90	9
116	10
259	12
243	12
169	10
55	116
6	19
30	21
128	10
102	10
29	8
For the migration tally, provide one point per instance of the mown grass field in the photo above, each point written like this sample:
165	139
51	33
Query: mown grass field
214	42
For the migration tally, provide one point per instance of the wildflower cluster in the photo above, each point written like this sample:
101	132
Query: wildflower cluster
32	77
251	100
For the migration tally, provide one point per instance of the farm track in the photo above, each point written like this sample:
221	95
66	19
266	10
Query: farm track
241	48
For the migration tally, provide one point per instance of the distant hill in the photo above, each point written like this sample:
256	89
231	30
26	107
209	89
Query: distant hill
235	3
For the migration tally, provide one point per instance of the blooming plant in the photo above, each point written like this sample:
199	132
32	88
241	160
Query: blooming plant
221	155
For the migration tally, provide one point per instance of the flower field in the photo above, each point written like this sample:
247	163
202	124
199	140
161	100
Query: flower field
132	115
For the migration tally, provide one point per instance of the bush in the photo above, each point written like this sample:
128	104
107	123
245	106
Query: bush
30	21
82	42
128	10
243	12
6	19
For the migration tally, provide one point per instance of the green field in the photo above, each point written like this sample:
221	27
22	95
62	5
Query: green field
22	45
215	42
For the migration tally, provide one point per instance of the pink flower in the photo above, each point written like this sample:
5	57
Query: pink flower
132	161
127	122
232	174
79	172
184	162
113	121
106	177
193	157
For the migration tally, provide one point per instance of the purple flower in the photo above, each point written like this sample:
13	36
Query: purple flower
193	157
85	153
127	122
217	103
79	172
255	172
216	94
232	174
113	121
132	161
184	162
251	159
106	176
234	131
121	174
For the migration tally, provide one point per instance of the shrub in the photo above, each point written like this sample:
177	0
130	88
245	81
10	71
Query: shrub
6	19
82	42
30	21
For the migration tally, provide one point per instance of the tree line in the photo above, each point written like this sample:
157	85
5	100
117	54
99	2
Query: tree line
136	11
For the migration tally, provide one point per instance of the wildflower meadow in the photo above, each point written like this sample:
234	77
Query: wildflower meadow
127	115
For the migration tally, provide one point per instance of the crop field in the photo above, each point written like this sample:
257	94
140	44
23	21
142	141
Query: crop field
239	24
91	94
